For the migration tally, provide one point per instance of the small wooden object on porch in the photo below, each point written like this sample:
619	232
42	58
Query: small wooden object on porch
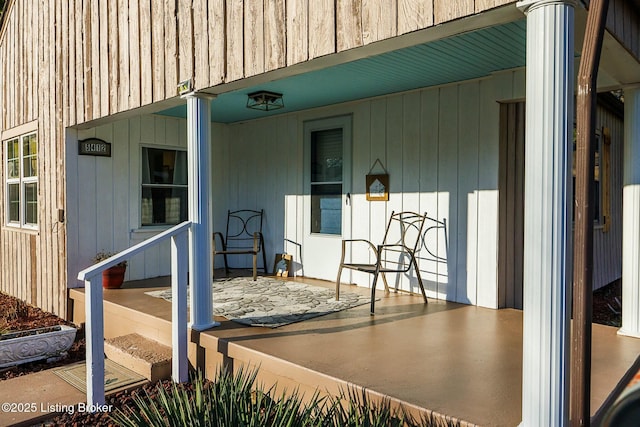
282	265
396	254
243	237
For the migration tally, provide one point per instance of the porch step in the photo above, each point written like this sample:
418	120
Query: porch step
147	357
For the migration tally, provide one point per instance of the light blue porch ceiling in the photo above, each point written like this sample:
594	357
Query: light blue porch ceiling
462	57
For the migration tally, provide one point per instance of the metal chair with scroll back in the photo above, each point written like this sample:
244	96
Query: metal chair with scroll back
243	237
396	253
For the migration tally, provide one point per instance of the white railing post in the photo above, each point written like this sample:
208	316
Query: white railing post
94	322
94	335
179	260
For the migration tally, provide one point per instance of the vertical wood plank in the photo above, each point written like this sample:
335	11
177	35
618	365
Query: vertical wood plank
79	39
95	58
298	31
87	55
253	38
185	41
322	28
235	40
414	15
429	266
170	48
103	18
114	54
123	55
446	10
490	161
379	20
448	188
411	167
467	264
217	44
482	5
157	50
146	66
348	24
201	43
274	36
135	55
64	58
72	62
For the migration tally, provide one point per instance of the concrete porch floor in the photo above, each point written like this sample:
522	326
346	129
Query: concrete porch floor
458	360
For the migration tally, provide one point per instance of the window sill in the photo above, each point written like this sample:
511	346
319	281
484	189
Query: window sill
17	229
149	231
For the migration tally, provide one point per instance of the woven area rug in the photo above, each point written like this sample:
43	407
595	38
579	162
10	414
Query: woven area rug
115	376
271	302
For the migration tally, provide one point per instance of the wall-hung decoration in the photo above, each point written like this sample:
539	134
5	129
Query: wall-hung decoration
94	147
377	184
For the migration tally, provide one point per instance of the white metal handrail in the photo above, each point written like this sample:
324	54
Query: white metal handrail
94	322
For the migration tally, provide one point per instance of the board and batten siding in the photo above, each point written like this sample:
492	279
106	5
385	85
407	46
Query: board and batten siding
607	241
104	193
67	62
435	165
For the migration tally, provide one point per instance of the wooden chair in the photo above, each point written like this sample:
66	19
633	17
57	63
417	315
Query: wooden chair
396	254
243	237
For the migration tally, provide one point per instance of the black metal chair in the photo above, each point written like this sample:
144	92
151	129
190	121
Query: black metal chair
396	254
243	237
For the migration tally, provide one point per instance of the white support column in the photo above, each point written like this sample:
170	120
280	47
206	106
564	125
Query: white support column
546	294
200	248
631	215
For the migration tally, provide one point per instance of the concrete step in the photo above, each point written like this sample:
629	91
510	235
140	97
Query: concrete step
147	357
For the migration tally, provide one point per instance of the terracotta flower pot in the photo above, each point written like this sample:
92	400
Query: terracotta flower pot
113	277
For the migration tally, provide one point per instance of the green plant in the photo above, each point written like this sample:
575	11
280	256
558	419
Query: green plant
237	400
232	400
102	255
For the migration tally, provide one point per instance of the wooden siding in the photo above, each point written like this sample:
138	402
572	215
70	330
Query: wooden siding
607	240
623	21
103	205
451	172
67	62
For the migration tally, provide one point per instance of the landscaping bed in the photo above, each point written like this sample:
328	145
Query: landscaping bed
17	316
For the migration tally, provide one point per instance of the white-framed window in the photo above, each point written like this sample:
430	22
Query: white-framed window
164	186
21	179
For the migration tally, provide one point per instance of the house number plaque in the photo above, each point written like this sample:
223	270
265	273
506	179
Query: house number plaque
94	147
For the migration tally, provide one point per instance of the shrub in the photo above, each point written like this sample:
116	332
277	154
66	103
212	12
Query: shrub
237	400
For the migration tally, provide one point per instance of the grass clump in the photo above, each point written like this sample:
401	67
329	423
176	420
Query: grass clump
238	400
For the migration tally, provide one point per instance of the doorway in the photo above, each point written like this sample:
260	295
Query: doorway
327	194
511	205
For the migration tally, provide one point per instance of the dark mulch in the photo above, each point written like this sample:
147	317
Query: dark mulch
606	310
15	316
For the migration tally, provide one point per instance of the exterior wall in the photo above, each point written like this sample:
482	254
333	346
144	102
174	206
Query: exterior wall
623	21
607	242
104	193
33	265
67	62
435	165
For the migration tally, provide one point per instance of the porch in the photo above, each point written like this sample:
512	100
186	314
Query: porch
458	360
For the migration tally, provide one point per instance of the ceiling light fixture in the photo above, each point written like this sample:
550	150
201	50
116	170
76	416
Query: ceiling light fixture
265	101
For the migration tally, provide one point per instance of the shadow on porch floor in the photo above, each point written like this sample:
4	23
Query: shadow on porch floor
454	359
